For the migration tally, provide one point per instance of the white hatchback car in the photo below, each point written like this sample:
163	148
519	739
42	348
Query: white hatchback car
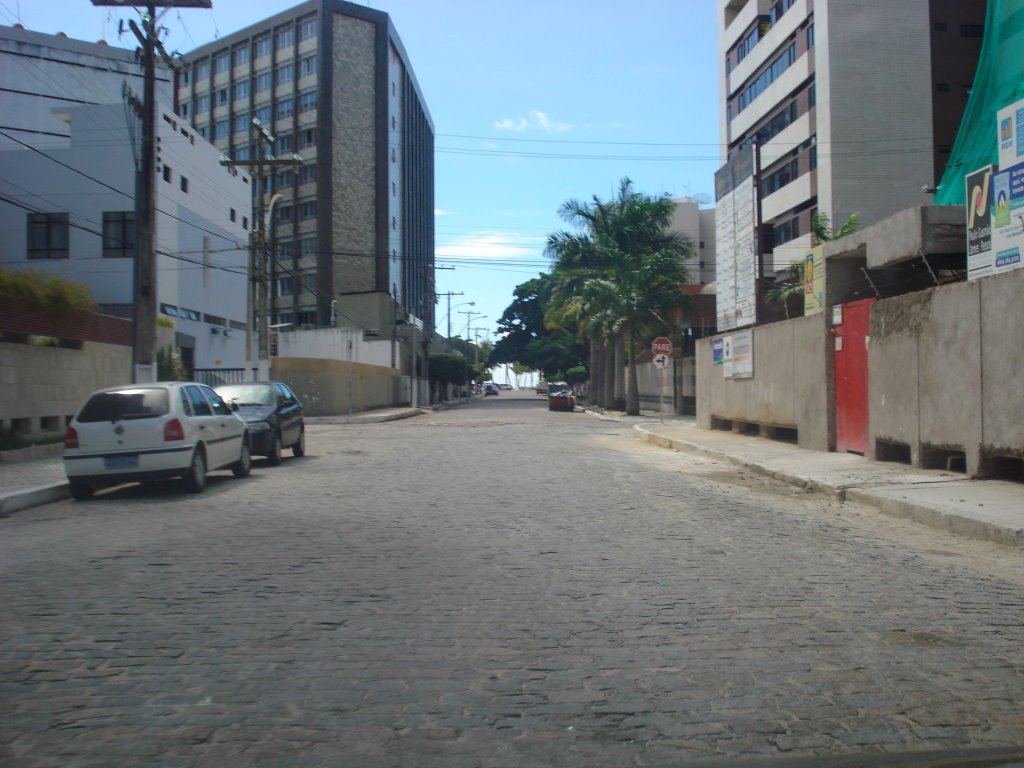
153	431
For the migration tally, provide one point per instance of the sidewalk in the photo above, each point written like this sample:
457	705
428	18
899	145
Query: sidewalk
980	509
36	481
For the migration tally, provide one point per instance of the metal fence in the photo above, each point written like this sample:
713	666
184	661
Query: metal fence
217	376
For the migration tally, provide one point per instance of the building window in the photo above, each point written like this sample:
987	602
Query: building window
307	247
780	178
971	30
814	157
220	130
48	236
243	153
285	74
284	144
283	214
222	97
184	184
307	174
245	222
118	234
307	28
285	108
262	46
786	231
307	138
810	35
202	104
263	114
285	179
184	109
307	210
184	78
285	37
232	214
261	82
240	55
285	286
221	63
746	45
307	101
307	66
307	318
203	130
241	123
779	65
167	173
241	90
202	70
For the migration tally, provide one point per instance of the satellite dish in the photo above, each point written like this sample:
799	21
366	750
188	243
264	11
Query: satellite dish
701	198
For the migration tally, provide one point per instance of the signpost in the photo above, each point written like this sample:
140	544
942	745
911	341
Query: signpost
662	349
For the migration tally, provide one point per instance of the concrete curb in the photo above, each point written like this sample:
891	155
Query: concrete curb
878	499
365	418
32	497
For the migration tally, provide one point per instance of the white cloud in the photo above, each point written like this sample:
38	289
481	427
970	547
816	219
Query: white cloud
537	120
442	212
492	246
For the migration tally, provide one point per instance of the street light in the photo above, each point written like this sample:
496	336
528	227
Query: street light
449	315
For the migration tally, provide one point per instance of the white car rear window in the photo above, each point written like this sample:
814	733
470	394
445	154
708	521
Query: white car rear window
139	403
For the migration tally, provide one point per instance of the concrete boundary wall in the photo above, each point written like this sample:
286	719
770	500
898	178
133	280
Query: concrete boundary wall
945	376
790	389
334	387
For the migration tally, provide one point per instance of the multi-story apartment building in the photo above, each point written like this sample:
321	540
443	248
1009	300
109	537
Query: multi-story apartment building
698	224
352	224
854	106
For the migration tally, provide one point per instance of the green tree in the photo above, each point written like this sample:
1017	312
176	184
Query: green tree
620	273
791	286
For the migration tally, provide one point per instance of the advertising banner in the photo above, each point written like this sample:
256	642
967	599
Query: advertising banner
736	242
1011	135
1008	218
979	222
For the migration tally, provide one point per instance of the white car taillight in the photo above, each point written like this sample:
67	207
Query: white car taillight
173	431
70	438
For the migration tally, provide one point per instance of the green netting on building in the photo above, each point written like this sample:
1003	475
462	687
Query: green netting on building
998	82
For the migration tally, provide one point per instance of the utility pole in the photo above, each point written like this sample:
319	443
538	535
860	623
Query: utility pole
449	294
144	281
259	265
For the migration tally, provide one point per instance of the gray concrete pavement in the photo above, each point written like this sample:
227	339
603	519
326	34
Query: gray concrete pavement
498	586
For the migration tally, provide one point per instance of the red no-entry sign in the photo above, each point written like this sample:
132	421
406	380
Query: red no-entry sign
661	346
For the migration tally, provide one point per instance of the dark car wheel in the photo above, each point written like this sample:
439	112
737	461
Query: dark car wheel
81	491
195	480
243	466
299	448
274	454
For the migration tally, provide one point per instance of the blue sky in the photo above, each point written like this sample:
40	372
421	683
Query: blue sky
534	102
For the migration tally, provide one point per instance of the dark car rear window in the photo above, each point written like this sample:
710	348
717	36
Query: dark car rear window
125	404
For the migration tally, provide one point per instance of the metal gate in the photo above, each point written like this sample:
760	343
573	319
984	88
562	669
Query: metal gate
850	324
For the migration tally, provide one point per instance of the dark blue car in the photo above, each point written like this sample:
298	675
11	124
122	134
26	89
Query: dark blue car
273	414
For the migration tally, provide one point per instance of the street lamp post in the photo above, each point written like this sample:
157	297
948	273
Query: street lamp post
449	315
469	319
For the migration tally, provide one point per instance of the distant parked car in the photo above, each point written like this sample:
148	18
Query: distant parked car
273	414
490	389
140	432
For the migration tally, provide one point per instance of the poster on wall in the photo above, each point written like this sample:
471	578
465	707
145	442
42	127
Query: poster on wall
717	351
1010	120
814	281
1008	218
738	355
979	222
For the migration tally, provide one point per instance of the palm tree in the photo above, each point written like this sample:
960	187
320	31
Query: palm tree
620	275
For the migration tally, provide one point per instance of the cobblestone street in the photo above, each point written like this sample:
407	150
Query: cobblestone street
496	585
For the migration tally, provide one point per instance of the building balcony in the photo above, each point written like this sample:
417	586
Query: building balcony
790	252
790	196
768	45
788	139
769	99
738	26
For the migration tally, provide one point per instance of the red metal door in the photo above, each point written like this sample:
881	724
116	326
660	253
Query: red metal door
850	326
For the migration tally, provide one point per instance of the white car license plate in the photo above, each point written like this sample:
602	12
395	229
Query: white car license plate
121	462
